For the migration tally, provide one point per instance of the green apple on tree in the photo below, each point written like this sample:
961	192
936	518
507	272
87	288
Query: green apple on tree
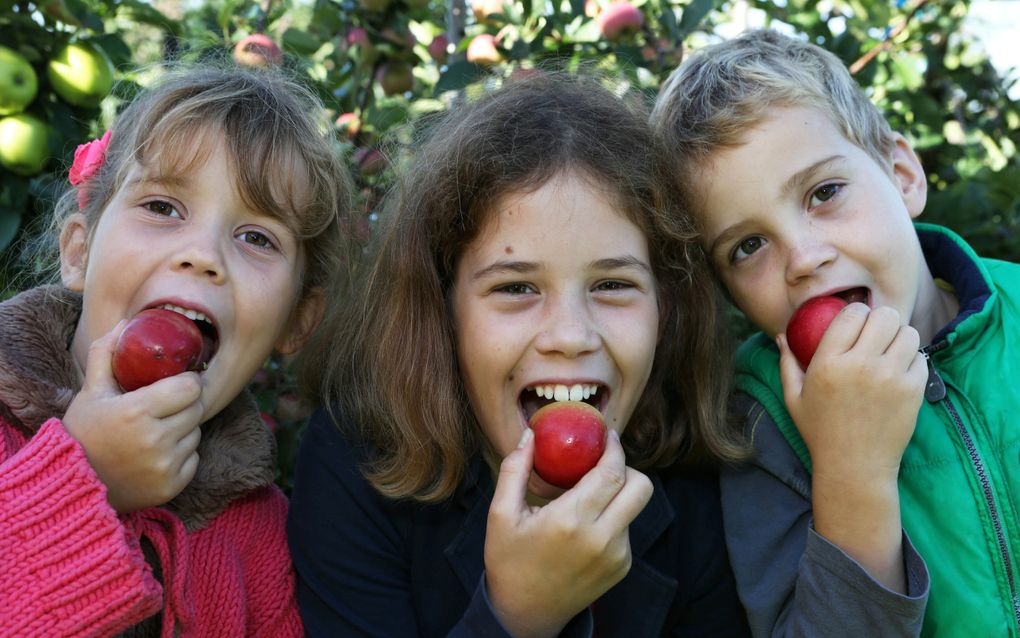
18	82
23	144
81	73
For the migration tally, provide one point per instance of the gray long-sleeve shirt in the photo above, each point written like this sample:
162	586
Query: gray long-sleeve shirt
791	580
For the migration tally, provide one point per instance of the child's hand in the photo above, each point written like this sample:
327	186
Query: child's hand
856	408
142	444
545	565
857	403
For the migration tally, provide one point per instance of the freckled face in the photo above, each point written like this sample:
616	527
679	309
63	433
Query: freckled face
798	211
556	290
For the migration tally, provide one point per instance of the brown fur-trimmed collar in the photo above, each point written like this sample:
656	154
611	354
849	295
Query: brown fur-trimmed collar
38	381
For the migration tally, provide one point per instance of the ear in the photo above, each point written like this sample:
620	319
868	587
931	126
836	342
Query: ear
303	322
74	252
909	176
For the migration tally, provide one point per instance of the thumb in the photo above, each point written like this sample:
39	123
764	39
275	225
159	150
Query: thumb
514	472
99	365
790	372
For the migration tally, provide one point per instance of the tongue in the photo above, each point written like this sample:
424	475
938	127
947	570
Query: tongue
855	295
208	349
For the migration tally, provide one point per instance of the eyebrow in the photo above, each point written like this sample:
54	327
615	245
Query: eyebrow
524	267
788	186
800	176
163	180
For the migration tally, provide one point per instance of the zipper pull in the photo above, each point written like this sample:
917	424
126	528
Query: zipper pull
935	390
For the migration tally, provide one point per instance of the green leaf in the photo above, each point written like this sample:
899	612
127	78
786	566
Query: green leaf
693	14
10	221
300	42
457	76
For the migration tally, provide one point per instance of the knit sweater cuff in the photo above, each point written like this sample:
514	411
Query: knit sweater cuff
67	564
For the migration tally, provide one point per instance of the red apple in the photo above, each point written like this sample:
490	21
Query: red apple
809	323
349	123
619	19
257	49
370	161
570	437
395	77
482	50
155	344
438	48
268	419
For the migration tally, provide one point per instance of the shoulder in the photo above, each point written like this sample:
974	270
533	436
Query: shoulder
331	490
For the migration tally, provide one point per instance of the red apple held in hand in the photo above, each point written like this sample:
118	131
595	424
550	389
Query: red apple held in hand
155	344
808	324
570	437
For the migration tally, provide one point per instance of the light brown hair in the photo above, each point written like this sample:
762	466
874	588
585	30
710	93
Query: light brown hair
278	142
389	358
721	91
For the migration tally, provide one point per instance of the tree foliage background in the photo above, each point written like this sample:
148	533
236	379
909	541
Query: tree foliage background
382	66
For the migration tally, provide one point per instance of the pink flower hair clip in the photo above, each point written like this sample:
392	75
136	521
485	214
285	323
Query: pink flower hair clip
88	158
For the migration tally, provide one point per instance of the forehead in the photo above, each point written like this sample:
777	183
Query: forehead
764	167
565	217
275	186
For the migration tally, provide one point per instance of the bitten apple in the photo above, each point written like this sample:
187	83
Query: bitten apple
809	323
570	437
155	344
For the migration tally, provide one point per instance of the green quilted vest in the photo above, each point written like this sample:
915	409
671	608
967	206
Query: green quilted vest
960	473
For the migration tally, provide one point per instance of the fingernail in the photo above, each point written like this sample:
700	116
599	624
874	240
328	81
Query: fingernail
525	437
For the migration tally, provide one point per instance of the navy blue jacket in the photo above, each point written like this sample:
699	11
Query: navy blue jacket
372	566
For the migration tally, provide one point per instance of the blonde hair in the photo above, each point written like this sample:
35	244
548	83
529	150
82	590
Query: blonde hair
722	90
389	359
277	142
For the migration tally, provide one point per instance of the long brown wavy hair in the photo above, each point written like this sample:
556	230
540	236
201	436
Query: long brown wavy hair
386	358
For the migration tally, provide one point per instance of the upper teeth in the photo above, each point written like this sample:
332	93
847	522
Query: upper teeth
194	315
560	392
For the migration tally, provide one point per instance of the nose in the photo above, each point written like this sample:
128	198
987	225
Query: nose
568	328
807	253
201	256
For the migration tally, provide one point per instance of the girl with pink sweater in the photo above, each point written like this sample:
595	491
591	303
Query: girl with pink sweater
153	512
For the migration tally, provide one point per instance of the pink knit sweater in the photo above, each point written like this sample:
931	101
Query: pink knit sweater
70	566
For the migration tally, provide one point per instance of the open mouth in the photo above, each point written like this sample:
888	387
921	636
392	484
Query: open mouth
538	396
210	335
852	295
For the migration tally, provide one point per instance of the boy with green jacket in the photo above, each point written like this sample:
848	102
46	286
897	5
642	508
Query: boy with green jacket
881	493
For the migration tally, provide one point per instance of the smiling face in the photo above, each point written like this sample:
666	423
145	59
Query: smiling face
798	211
555	299
190	243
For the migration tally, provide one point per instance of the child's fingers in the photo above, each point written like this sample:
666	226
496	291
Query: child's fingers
514	472
790	373
171	395
879	331
637	491
597	489
844	331
904	345
99	366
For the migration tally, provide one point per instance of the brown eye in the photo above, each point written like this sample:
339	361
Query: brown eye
746	248
256	238
161	207
824	193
